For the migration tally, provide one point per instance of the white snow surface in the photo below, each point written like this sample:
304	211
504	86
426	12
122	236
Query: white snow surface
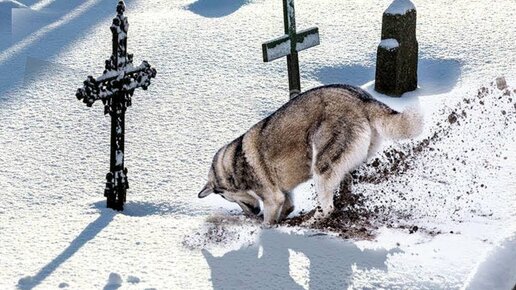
308	42
280	50
389	43
211	86
400	7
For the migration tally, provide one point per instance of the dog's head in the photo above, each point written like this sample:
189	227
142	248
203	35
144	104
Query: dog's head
221	181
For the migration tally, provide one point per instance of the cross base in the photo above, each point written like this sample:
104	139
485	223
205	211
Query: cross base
116	189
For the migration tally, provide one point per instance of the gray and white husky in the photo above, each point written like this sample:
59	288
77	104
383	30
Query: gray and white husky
323	134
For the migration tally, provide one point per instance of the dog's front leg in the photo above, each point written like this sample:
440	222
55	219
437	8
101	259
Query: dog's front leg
272	205
288	207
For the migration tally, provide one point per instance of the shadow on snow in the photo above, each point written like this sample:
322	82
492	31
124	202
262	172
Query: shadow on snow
133	209
499	263
145	208
435	76
57	37
216	8
88	234
330	262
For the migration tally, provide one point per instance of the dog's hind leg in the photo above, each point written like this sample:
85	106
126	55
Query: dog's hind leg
272	206
376	141
325	188
338	157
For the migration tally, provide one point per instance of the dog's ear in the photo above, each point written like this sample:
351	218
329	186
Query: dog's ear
207	190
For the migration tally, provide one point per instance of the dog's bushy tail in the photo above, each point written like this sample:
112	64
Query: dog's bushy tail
401	125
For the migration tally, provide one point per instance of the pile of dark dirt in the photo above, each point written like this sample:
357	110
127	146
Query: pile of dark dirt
351	218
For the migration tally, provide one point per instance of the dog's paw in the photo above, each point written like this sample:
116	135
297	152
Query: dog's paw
269	225
319	215
315	220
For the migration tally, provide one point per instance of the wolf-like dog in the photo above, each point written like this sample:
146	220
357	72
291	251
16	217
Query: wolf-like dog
323	133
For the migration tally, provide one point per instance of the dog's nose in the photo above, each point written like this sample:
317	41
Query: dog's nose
256	210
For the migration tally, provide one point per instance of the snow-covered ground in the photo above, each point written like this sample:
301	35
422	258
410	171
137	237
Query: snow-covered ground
212	86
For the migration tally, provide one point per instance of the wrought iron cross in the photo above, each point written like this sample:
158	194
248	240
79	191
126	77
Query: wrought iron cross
115	88
289	45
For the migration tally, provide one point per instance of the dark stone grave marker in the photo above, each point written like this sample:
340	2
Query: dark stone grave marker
397	58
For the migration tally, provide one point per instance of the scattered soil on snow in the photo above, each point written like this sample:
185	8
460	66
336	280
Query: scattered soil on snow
359	211
224	230
357	216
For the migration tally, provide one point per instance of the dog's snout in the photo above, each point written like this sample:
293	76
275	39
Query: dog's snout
255	210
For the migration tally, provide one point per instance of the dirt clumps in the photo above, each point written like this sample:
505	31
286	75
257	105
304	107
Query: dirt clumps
350	219
223	230
452	118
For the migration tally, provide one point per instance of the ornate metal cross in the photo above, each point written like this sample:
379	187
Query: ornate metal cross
289	45
115	88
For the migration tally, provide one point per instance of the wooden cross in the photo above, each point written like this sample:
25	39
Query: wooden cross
289	45
115	88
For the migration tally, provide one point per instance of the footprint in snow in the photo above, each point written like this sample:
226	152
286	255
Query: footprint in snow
115	281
